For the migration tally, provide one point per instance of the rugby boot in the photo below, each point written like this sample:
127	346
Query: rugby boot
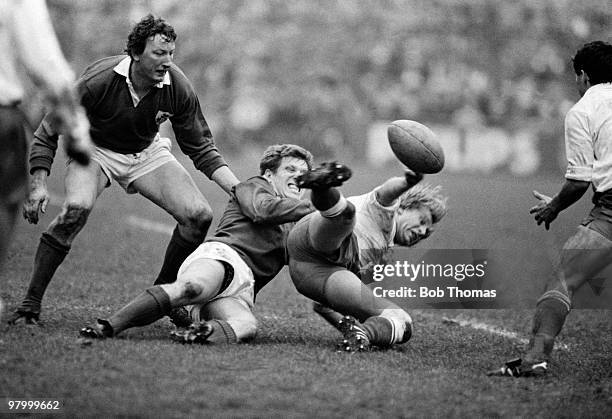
29	315
519	368
327	175
102	331
180	317
196	333
355	337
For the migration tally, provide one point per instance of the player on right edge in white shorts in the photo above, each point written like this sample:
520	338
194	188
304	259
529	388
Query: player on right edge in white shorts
588	141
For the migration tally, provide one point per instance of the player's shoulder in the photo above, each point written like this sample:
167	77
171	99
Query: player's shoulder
179	79
258	180
593	98
255	183
101	69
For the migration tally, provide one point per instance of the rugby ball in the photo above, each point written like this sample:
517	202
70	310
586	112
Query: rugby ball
416	146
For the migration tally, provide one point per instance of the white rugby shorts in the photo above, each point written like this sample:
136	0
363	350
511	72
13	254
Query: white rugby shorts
126	168
242	285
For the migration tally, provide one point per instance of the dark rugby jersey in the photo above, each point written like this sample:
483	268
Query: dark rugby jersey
119	126
256	222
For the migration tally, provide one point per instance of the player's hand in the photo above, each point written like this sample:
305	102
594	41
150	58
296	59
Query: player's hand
544	211
37	200
412	178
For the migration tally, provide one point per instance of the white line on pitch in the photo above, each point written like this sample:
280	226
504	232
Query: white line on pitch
494	330
149	225
474	324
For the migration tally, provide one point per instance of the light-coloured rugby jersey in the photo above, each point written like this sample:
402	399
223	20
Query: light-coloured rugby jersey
28	43
374	227
588	138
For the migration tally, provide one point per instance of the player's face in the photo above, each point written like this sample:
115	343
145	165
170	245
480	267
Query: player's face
151	66
412	226
283	180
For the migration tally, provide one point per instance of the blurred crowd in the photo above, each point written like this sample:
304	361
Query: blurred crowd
325	75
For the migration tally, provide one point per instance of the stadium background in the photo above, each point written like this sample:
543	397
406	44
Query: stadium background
494	78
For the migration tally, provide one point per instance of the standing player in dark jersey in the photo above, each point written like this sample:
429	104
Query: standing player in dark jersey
126	98
220	279
325	260
588	140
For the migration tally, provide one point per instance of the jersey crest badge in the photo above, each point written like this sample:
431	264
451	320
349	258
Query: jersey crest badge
162	116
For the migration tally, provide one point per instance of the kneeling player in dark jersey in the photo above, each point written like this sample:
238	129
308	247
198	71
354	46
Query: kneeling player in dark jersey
219	280
329	248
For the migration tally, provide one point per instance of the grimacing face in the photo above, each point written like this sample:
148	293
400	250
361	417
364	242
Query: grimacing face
150	67
412	225
283	179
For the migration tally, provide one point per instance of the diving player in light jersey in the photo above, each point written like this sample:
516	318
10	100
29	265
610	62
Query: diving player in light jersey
329	249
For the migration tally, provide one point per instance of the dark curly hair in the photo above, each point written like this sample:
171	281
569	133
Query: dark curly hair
595	59
147	27
273	155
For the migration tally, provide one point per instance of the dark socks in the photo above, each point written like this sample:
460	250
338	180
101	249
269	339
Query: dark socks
324	199
222	332
380	331
148	307
176	253
49	256
547	323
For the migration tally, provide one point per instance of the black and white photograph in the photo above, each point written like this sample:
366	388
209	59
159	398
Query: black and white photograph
306	208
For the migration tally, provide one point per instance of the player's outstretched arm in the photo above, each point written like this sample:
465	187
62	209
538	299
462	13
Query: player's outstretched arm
548	208
393	188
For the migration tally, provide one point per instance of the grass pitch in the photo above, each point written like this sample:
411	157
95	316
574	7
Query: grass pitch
291	368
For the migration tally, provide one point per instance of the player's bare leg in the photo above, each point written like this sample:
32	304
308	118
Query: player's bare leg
578	265
583	256
83	185
171	188
200	282
336	217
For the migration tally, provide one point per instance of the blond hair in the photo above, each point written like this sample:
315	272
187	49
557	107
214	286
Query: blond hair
425	195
